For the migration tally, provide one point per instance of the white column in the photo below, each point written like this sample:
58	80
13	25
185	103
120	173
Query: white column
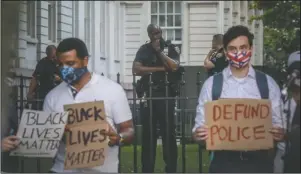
81	20
221	16
111	38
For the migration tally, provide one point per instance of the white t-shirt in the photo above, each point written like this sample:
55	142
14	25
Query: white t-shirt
116	107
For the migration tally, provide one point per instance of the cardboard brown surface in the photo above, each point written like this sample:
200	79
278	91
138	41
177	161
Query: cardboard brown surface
86	146
239	124
86	143
85	113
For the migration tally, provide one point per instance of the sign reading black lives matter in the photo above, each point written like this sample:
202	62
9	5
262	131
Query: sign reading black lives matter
86	142
40	133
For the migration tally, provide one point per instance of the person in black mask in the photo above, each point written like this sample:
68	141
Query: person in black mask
157	57
292	107
44	78
216	60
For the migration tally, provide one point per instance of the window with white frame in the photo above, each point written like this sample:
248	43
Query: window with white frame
31	19
52	21
168	15
87	23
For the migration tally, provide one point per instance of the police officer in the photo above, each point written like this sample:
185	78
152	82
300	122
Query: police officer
216	60
44	78
287	158
157	57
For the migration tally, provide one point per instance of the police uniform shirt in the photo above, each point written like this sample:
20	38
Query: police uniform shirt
147	56
220	62
44	73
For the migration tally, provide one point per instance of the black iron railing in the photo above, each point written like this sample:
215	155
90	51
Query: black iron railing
184	121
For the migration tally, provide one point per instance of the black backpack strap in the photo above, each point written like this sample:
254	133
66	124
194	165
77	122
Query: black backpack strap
262	83
217	86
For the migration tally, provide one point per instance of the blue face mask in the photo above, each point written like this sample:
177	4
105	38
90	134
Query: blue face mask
72	75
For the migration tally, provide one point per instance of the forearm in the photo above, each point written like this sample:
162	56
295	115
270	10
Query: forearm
32	85
168	62
208	64
127	136
142	70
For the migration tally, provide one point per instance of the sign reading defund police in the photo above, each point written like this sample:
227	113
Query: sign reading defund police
40	133
86	142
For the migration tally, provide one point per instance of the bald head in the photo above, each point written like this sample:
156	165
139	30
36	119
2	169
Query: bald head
152	28
51	51
154	32
217	41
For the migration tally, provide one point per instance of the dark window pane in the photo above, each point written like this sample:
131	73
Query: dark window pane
154	19
154	7
170	22
178	6
178	20
178	34
169	7
170	35
162	20
162	7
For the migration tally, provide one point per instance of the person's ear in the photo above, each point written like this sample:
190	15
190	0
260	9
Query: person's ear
86	61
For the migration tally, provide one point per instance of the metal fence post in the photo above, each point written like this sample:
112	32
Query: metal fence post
183	116
119	149
167	133
135	124
21	160
198	83
152	156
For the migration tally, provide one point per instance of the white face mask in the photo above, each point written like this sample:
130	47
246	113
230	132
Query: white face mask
239	59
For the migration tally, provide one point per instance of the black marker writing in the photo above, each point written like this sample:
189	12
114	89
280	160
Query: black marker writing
79	115
40	144
84	157
41	133
33	118
86	137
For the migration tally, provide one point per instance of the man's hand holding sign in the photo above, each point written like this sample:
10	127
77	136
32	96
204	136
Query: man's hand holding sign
238	124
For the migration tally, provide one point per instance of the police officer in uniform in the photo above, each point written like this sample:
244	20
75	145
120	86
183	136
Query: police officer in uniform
45	77
292	155
216	60
157	57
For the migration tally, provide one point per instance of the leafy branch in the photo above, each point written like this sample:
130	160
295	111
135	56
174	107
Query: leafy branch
281	21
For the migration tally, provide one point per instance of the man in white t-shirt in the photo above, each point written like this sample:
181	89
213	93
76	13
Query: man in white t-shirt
78	86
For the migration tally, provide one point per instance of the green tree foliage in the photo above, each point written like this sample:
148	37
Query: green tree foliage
281	20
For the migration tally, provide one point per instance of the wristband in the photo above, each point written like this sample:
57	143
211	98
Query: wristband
121	140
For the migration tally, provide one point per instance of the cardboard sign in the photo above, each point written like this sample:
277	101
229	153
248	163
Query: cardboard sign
40	133
239	124
86	143
85	113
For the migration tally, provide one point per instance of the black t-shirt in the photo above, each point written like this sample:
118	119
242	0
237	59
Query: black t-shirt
44	73
220	62
147	56
293	156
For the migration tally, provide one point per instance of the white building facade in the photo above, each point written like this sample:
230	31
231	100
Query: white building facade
114	30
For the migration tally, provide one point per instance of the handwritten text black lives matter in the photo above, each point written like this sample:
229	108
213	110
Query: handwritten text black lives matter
40	133
85	136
